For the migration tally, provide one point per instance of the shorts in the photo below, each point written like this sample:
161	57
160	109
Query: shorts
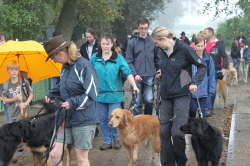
80	137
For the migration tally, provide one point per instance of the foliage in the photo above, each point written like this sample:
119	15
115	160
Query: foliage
218	7
30	19
23	19
132	11
97	14
231	28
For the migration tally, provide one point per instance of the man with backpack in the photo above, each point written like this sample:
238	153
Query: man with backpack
142	58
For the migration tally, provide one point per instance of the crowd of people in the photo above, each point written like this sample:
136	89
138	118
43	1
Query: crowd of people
240	54
92	80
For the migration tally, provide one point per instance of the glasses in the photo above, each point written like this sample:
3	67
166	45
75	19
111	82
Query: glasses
143	28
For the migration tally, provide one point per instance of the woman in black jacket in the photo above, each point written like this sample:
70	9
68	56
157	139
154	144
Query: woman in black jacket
176	84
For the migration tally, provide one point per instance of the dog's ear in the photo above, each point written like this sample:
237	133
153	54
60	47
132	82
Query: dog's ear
15	129
127	117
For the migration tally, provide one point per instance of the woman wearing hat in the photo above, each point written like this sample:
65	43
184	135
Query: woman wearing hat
176	84
77	87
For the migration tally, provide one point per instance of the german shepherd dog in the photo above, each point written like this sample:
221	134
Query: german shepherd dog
207	141
40	132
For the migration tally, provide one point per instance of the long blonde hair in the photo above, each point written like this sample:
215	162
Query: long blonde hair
161	31
72	52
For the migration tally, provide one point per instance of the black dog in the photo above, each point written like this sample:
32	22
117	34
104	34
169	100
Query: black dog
35	132
10	137
207	141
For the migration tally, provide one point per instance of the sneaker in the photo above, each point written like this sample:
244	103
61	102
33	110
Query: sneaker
116	145
106	146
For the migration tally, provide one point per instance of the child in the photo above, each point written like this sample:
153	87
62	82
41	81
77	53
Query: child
208	85
17	94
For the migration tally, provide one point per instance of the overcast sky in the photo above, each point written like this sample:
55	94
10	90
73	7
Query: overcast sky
186	15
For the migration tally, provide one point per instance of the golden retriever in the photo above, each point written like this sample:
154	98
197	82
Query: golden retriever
222	91
133	130
231	75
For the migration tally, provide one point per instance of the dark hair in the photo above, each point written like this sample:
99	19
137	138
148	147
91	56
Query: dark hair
193	37
142	21
198	39
54	34
108	37
244	41
134	28
183	33
210	29
90	30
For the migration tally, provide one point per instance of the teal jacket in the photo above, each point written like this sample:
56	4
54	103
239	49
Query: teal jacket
109	75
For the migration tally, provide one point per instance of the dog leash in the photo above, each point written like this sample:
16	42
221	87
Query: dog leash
58	122
158	97
64	137
199	106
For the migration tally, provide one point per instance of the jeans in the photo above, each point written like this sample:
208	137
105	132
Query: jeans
7	118
109	134
146	95
245	72
210	101
173	114
236	63
194	106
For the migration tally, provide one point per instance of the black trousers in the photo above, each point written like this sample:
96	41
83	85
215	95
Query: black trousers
173	114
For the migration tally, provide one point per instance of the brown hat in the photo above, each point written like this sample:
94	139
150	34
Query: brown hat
55	45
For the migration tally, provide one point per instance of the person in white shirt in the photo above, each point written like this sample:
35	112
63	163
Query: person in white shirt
90	46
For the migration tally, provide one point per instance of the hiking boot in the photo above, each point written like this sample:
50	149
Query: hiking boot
106	146
116	145
209	114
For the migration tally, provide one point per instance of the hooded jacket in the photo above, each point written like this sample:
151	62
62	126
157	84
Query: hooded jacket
208	84
78	86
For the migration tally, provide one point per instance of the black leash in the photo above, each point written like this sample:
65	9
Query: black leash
132	103
199	108
158	96
64	137
58	121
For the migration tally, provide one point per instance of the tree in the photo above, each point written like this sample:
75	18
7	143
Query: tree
217	7
231	28
132	11
30	19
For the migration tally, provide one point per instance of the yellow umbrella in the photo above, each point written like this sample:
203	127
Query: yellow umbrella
31	57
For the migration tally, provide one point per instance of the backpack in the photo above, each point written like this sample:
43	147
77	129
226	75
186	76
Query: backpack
24	87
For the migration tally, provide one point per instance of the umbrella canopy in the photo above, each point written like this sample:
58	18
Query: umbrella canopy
31	56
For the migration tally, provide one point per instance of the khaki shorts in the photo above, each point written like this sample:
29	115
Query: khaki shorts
80	137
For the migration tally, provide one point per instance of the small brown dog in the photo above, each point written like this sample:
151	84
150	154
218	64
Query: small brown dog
133	130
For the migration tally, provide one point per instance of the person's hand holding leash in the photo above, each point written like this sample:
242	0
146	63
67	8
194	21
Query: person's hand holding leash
65	105
47	99
138	78
192	88
136	90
